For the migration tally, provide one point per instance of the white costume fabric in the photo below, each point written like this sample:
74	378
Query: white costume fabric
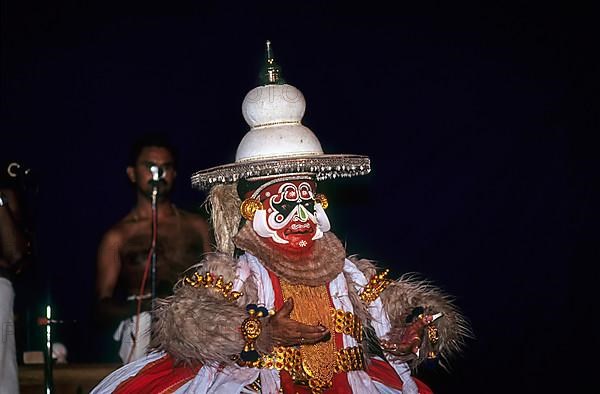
9	377
234	379
130	349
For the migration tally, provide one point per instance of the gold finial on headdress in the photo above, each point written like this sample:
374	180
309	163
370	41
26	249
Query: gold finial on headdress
271	72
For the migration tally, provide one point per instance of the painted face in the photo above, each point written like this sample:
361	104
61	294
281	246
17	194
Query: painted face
290	217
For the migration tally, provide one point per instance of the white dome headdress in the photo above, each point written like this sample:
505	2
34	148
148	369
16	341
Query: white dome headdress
277	144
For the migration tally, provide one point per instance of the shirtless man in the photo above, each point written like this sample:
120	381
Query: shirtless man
183	237
14	250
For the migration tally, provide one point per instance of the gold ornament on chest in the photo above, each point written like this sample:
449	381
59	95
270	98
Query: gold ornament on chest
315	365
312	306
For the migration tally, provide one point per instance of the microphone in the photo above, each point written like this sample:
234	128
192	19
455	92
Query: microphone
15	169
158	173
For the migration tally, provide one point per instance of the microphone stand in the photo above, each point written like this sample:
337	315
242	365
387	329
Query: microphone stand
48	377
47	323
155	180
157	174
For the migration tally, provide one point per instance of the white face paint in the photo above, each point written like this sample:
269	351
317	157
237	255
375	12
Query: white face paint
322	219
290	215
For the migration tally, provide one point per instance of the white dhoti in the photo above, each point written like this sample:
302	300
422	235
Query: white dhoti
9	376
133	345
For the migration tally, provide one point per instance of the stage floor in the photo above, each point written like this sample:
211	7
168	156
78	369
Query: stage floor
68	378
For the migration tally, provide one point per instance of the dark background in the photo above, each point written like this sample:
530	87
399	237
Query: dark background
475	119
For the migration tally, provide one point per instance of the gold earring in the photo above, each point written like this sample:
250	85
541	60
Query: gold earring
322	199
249	207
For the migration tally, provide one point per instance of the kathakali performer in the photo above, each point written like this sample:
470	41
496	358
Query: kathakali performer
281	308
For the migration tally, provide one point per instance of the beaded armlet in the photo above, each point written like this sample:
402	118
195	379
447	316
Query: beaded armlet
208	281
375	287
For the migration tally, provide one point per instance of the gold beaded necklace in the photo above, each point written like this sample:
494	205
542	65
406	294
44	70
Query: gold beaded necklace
311	306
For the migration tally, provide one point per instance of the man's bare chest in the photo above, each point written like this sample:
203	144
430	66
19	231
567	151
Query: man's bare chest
174	246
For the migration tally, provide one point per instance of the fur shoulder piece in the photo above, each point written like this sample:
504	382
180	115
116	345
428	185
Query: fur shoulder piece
199	322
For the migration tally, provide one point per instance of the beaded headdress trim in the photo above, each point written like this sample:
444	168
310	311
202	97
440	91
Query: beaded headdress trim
324	166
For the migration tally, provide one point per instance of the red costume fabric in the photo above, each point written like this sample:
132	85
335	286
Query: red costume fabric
161	376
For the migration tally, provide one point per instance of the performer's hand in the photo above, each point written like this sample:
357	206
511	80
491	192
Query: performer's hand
288	332
411	338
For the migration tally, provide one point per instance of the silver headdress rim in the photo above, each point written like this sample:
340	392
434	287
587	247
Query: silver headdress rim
323	166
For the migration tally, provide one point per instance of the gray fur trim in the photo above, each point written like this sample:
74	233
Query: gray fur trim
319	266
199	324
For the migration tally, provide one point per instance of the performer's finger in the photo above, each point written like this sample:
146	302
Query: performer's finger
305	329
312	334
432	318
428	319
312	338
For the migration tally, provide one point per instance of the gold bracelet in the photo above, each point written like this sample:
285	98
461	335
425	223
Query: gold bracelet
251	329
433	336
